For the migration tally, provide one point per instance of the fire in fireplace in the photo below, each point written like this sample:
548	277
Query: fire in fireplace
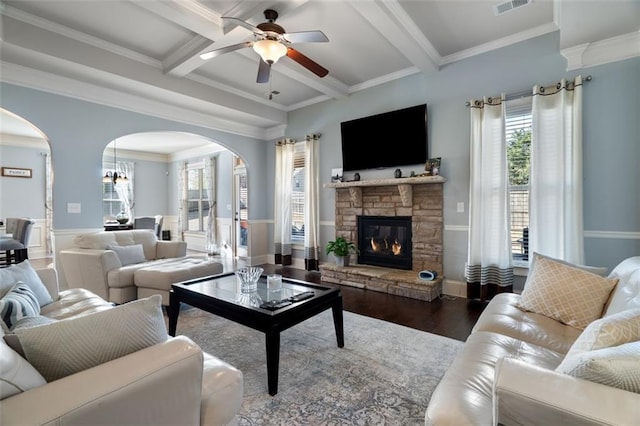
385	241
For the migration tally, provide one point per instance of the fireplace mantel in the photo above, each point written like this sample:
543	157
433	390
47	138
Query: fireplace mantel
404	187
386	182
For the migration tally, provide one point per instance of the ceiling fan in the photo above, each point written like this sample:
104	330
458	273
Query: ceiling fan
271	43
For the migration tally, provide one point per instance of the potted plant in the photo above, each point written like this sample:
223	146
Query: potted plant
341	249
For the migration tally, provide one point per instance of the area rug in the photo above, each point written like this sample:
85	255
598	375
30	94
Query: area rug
384	375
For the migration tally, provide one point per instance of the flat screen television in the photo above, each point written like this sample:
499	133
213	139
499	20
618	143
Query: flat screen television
391	139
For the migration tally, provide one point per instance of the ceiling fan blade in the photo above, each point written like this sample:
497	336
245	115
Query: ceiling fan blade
306	37
230	22
264	70
217	52
309	64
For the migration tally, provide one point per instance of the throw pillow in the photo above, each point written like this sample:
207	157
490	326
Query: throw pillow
602	271
565	293
24	272
128	255
32	321
16	374
66	347
617	366
612	330
18	303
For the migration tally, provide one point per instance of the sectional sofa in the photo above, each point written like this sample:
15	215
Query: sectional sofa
85	361
564	352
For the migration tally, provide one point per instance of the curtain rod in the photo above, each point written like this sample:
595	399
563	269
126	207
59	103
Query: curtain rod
526	93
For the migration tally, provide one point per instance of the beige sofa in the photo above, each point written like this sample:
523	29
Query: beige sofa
121	266
506	371
172	382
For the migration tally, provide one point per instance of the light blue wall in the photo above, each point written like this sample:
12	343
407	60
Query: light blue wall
78	131
22	197
611	137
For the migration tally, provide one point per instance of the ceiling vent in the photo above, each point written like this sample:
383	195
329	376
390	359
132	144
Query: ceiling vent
506	6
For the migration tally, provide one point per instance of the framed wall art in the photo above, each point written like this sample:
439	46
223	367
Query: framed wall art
16	172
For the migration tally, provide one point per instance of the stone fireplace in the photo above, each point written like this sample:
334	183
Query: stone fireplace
418	200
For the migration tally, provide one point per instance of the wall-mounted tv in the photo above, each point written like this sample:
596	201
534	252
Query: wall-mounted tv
391	139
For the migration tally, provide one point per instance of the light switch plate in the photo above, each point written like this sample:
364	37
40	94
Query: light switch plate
460	207
74	208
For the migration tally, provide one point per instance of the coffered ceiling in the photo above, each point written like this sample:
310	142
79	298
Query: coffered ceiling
144	54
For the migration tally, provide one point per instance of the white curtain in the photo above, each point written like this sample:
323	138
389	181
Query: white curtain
311	204
182	200
210	187
489	268
555	221
125	190
282	201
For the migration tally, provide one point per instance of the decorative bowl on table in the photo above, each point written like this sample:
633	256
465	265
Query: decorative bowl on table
248	276
122	220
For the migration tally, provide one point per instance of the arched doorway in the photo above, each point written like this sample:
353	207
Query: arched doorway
166	172
26	169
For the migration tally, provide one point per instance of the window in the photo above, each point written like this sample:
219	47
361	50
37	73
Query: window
111	204
117	198
297	194
197	200
518	137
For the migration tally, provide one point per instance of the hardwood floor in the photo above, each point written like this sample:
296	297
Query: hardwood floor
447	316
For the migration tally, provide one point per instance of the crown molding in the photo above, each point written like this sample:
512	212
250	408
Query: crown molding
384	79
500	43
602	52
108	154
52	83
276	132
23	141
187	154
64	31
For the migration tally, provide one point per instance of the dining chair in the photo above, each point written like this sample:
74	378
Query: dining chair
145	222
16	249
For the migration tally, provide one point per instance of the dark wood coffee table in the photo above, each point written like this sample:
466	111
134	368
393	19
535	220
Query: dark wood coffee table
220	296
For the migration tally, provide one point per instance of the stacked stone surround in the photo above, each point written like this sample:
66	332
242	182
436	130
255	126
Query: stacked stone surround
421	198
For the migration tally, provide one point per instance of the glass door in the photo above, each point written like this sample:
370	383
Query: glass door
241	213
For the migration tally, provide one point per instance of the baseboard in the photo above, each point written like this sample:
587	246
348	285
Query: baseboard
454	288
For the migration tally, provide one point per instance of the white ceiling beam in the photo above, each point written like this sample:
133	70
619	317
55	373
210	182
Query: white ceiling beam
400	31
193	16
95	65
188	14
185	59
206	23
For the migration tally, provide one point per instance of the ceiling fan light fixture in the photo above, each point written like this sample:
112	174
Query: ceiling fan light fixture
270	50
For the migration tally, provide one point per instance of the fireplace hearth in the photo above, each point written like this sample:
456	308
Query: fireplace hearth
385	241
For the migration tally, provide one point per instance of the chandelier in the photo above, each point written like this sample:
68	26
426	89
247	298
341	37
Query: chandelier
112	175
